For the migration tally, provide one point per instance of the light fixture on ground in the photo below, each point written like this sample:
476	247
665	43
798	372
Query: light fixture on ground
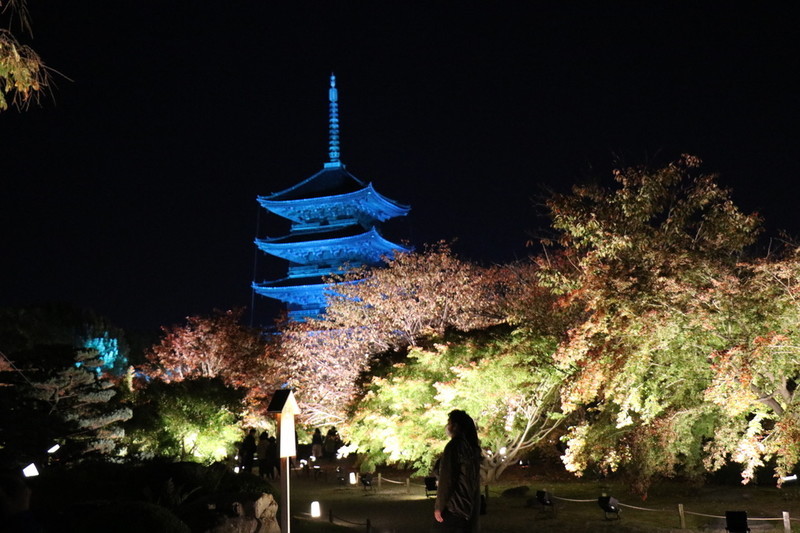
315	510
30	470
353	480
54	448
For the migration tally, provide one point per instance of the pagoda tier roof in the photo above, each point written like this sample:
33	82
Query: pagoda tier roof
310	294
367	247
327	182
360	204
317	234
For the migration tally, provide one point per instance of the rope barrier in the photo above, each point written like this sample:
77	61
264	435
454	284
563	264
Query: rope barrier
706	515
594	500
646	509
670	510
570	500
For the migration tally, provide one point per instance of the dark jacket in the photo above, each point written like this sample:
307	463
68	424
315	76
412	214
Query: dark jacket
459	489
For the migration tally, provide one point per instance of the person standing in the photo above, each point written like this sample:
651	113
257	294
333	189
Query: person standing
458	496
316	444
262	453
248	451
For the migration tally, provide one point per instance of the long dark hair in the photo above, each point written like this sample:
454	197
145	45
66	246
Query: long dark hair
465	427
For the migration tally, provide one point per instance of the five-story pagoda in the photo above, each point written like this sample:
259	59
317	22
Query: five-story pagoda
335	220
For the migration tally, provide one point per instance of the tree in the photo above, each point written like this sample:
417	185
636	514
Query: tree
23	75
48	401
642	264
755	378
323	365
193	419
416	295
24	329
218	345
374	312
504	379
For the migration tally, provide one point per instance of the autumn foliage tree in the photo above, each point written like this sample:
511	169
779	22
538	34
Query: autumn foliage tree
755	377
415	296
23	75
215	346
646	264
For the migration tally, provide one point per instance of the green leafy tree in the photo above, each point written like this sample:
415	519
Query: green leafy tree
194	419
506	381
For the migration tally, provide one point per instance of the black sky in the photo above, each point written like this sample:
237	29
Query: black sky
134	192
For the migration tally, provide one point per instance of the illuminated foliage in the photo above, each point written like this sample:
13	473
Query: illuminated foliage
23	75
416	296
108	350
26	329
208	347
215	346
506	381
193	419
755	377
645	265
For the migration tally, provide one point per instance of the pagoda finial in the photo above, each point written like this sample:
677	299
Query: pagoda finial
333	126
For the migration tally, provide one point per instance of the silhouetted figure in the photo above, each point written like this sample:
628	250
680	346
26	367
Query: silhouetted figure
262	451
274	458
248	451
316	444
332	443
458	495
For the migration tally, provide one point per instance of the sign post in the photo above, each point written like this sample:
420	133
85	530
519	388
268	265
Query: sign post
285	407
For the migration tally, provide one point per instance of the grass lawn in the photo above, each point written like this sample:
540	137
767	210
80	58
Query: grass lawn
393	509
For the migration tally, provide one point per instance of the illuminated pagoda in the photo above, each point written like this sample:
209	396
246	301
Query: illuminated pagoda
335	219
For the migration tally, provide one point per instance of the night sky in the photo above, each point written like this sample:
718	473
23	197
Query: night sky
133	189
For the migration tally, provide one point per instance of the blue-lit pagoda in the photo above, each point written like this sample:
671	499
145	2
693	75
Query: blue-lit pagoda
335	220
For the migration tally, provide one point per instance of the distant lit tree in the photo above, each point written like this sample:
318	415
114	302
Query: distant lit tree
25	329
216	345
416	295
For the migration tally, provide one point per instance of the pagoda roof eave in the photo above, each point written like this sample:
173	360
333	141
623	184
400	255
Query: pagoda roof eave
368	245
294	294
340	171
380	206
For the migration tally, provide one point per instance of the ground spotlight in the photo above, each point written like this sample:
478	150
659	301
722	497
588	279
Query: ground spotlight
30	471
315	510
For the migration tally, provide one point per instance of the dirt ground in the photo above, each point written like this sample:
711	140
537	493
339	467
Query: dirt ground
398	508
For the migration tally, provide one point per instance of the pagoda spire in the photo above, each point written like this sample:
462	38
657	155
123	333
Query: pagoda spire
333	126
